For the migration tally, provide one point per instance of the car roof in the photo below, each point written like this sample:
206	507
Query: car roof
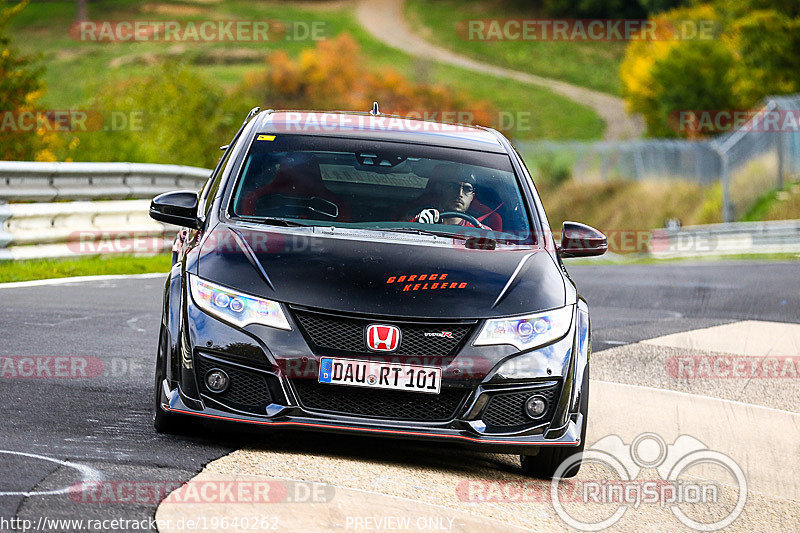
380	127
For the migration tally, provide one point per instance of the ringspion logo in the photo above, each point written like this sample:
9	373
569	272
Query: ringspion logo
675	487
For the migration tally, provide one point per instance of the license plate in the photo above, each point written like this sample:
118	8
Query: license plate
380	375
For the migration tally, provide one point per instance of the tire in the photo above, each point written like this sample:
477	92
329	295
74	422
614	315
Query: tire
544	464
164	422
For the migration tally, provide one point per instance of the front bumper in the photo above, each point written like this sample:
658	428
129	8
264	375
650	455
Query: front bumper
280	358
459	432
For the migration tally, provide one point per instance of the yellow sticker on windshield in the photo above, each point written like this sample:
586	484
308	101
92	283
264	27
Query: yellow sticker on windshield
265	138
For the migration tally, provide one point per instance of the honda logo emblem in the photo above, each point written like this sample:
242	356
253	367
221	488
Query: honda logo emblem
383	338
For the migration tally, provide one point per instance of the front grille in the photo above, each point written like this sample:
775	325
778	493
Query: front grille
247	389
507	409
375	403
345	334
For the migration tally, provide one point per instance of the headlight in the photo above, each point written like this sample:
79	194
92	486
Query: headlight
526	332
235	307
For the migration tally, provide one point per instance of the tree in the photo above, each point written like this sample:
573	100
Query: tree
767	48
171	114
20	90
755	54
693	76
81	10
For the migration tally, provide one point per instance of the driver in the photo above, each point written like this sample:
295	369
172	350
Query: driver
454	195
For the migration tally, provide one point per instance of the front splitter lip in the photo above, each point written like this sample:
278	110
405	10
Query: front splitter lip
571	436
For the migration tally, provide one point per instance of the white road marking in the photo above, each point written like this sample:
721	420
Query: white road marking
79	279
762	441
689	395
88	475
132	323
736	429
749	337
349	503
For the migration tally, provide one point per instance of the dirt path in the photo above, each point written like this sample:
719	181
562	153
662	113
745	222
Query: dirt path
385	21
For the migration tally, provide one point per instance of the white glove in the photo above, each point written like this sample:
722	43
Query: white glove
428	216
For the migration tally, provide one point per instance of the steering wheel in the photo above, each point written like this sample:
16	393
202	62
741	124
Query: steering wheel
469	218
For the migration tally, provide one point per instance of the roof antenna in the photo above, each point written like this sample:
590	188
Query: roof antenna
375	111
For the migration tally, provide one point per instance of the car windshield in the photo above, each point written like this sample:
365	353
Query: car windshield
328	181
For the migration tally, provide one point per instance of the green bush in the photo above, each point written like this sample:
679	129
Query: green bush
768	46
694	75
593	8
173	115
20	89
751	54
553	170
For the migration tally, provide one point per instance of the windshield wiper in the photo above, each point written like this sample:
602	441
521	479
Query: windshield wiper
274	221
419	231
470	241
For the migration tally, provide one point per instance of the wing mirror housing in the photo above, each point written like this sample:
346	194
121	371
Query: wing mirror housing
580	240
176	207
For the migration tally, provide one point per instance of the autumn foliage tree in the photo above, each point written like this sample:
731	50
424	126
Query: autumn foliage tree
20	90
752	54
334	76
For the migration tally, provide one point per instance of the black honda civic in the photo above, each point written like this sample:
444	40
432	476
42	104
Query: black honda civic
368	273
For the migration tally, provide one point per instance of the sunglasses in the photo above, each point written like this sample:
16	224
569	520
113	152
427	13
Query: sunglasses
466	188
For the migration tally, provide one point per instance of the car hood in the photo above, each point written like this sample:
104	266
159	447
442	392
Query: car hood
381	273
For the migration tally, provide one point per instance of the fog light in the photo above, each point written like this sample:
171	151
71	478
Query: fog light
217	380
535	406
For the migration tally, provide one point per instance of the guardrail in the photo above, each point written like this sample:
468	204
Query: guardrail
38	230
23	181
115	222
64	229
768	237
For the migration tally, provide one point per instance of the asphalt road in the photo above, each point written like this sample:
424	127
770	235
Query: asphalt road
102	424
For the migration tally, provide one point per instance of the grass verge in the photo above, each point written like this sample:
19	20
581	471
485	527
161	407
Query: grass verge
628	205
783	204
637	259
96	265
75	70
592	64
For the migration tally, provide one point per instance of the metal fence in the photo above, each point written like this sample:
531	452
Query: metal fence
74	229
59	229
27	181
38	223
749	161
769	237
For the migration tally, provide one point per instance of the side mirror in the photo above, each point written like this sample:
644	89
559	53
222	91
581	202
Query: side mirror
580	240
176	207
